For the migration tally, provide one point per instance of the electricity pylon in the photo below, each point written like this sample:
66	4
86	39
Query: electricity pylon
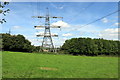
47	36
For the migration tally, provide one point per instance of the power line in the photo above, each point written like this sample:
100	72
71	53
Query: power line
85	8
81	11
99	19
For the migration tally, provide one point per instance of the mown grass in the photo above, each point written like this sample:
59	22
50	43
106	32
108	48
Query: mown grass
31	65
0	65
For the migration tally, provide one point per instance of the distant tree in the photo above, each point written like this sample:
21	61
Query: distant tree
16	43
2	11
90	47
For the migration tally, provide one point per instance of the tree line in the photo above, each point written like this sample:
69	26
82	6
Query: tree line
74	46
17	43
90	47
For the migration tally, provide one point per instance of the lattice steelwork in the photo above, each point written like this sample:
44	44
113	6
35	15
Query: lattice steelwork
47	36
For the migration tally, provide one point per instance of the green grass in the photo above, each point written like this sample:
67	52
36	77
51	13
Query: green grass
0	65
28	65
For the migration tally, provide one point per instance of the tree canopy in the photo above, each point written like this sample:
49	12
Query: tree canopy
16	43
74	46
3	11
90	47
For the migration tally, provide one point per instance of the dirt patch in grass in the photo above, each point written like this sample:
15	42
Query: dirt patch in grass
47	68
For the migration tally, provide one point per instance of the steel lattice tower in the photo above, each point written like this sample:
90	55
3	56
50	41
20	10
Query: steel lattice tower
47	36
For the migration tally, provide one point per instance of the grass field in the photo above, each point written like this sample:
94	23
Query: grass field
30	65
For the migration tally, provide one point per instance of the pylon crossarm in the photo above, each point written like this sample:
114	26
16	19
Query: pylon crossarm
38	16
55	26
39	26
44	26
54	35
41	35
56	17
